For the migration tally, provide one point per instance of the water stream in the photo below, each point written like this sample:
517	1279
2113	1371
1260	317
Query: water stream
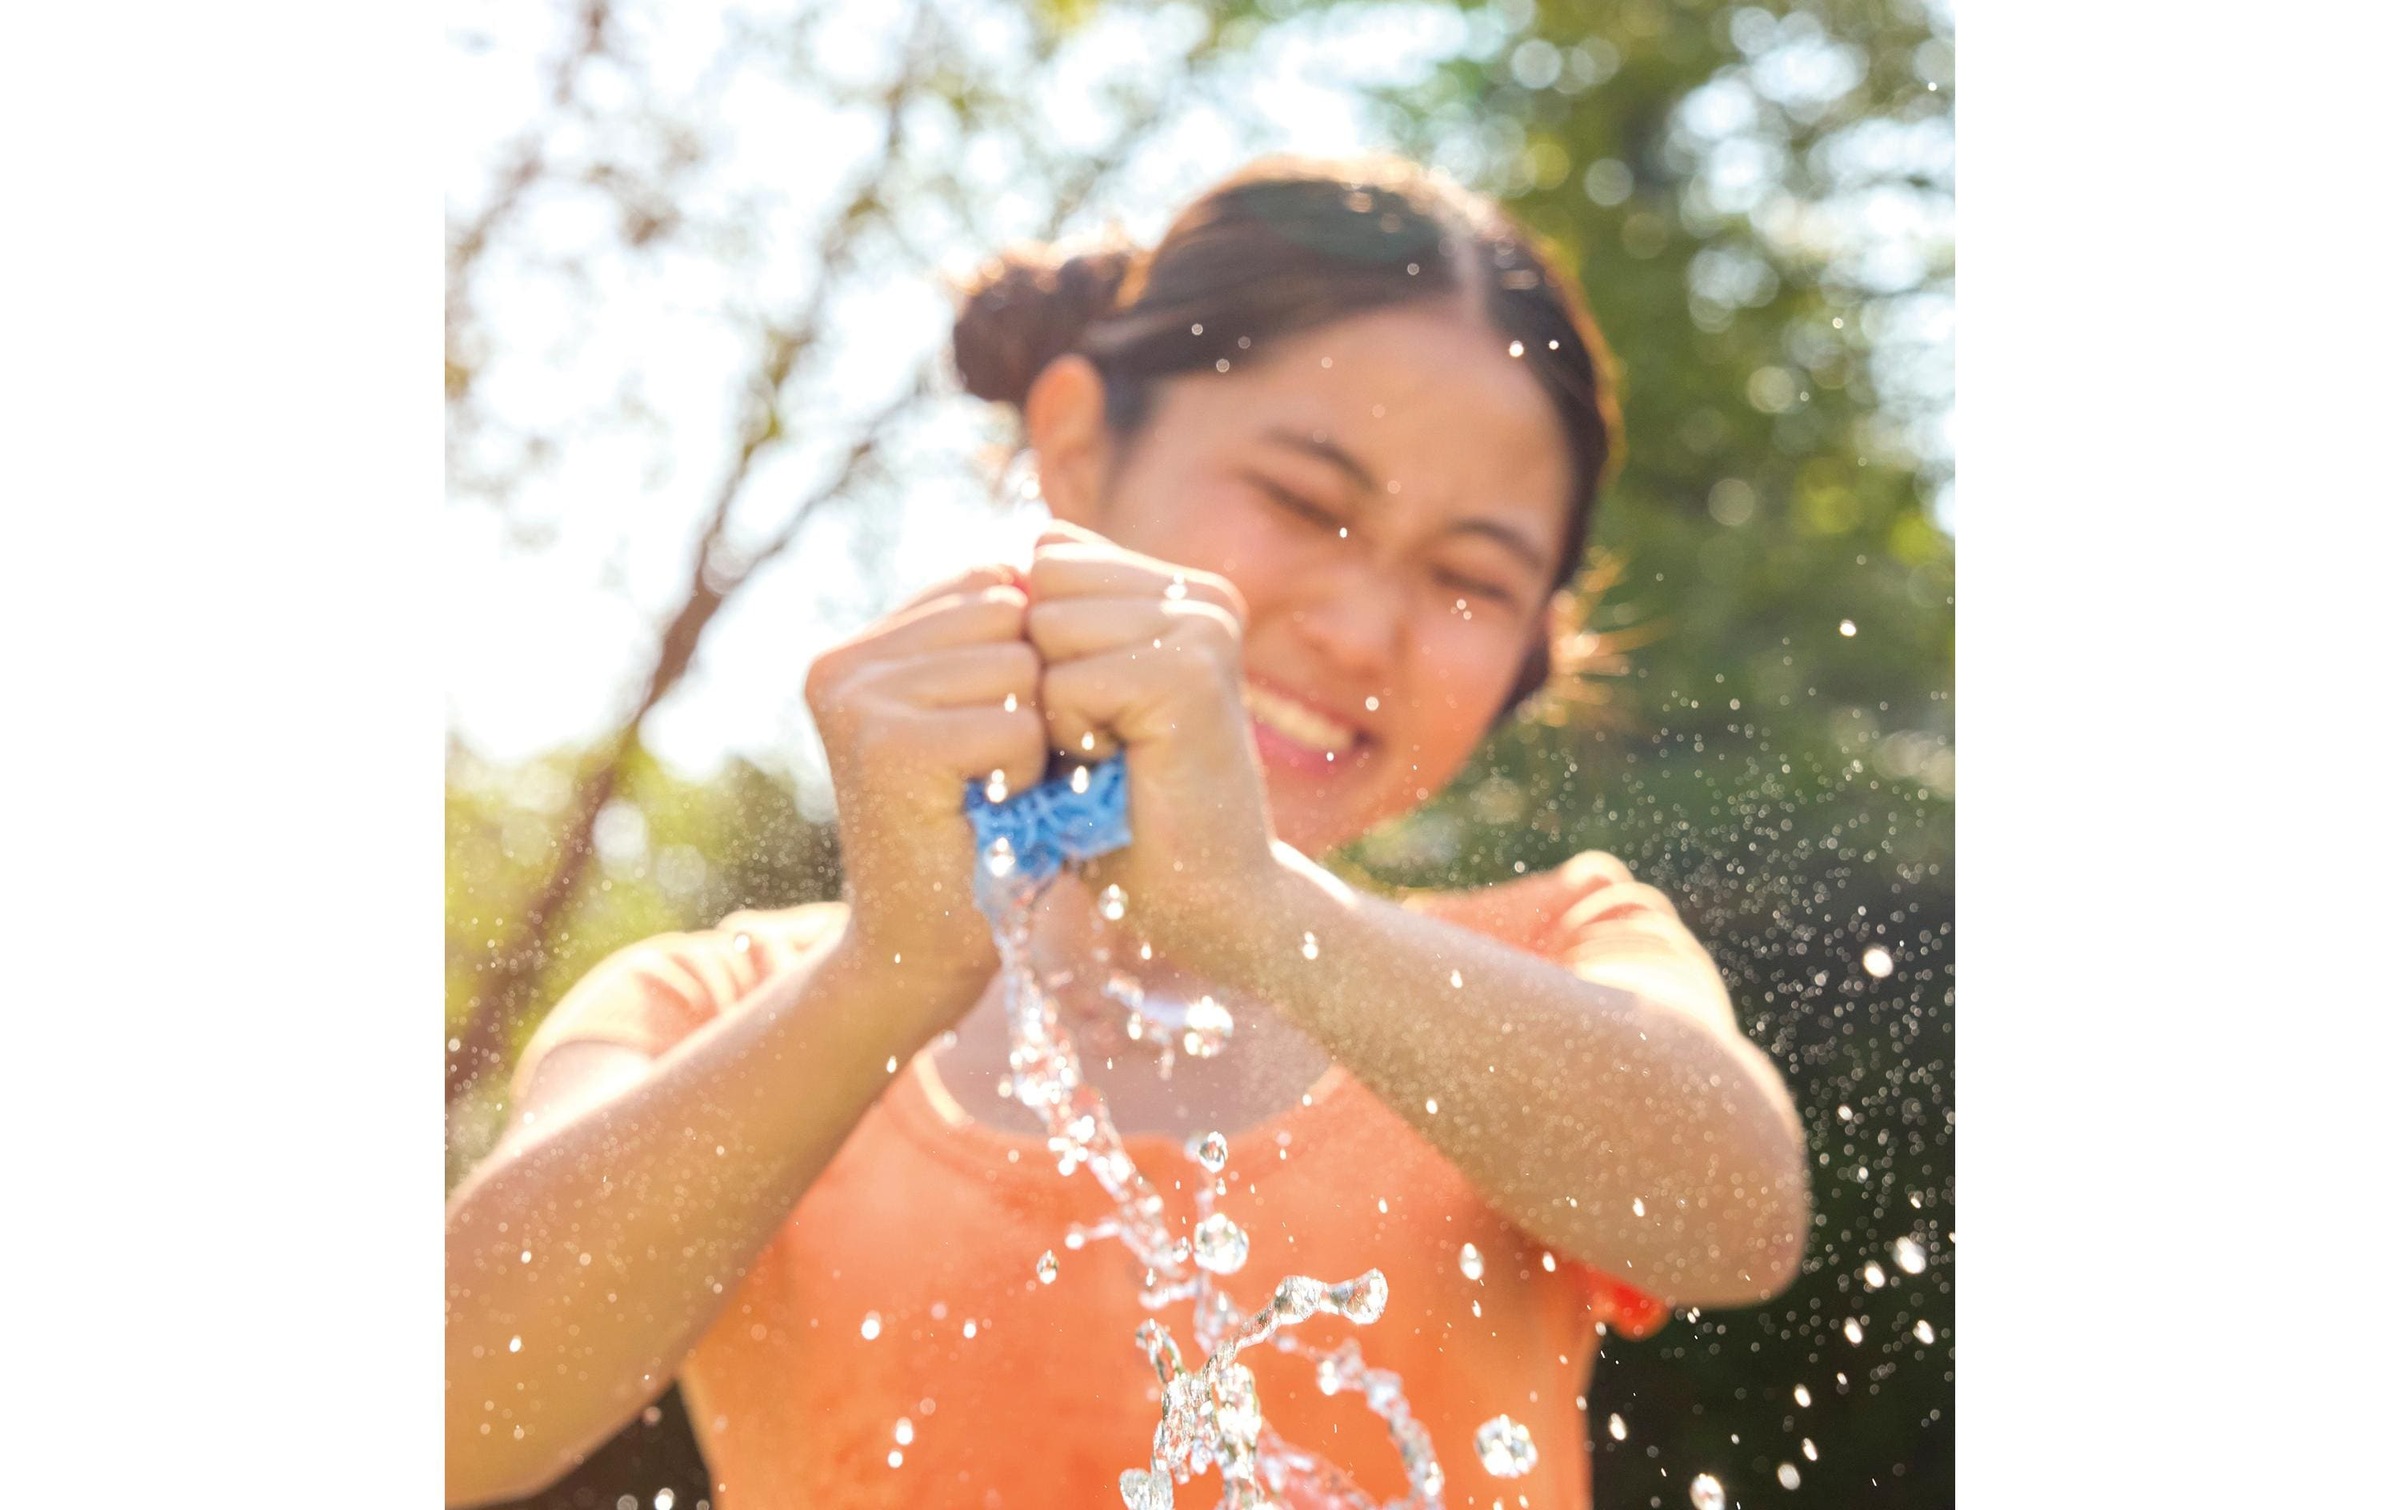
1209	1416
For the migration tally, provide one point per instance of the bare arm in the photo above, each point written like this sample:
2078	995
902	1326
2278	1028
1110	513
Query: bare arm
1611	1110
589	1256
586	1258
1566	1095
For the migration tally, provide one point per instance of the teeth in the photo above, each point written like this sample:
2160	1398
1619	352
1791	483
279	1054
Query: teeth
1290	719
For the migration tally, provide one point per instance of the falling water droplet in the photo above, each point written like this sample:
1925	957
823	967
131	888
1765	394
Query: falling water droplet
1924	1332
996	789
1045	1268
1219	1245
1808	1449
1112	903
516	1344
1516	348
1800	1395
1872	1274
1146	1489
1470	1261
872	1327
1848	628
1852	1330
1707	1493
1008	704
1089	743
1308	946
1637	1207
1209	1150
1080	779
895	1457
904	1431
1175	587
1297	1298
1362	1299
1878	961
1457	981
1000	858
1787	1475
1549	1263
1909	1254
1616	1426
1206	1026
1505	1448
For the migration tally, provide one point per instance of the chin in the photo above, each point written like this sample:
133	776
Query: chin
1314	821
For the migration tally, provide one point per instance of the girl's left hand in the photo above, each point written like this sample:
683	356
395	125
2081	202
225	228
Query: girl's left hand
1591	916
1141	653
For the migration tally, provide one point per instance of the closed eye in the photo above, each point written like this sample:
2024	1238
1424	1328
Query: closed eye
1473	586
1292	503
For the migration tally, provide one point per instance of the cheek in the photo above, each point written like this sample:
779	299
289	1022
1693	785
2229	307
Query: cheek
1459	676
1228	535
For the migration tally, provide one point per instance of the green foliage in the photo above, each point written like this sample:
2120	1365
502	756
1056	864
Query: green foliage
1788	782
674	855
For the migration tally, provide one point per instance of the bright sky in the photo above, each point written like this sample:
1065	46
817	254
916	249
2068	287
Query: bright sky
553	602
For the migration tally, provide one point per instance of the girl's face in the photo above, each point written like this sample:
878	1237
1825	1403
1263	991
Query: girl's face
1389	495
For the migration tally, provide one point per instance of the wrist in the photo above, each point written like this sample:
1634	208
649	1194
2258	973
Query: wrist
917	992
1263	926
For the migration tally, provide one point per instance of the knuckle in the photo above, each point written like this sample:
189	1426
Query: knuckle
996	613
1020	664
1222	592
1043	619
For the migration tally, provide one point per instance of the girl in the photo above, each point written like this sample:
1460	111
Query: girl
1321	464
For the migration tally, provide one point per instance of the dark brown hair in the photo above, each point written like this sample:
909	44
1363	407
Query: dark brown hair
1281	247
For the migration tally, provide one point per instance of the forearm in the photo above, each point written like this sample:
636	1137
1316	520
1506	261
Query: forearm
1620	1128
586	1262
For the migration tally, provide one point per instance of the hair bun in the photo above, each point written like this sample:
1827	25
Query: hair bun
1025	309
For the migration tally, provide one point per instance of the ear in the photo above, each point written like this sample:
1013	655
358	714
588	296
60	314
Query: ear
1066	422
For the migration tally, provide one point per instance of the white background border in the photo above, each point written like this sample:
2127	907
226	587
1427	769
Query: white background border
220	484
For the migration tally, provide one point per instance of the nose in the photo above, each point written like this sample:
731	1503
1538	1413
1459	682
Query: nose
1355	618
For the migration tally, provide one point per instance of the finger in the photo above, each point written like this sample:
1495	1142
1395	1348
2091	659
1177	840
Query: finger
1073	628
973	580
1594	867
1139	695
967	744
1077	570
1062	532
985	616
1619	901
1004	674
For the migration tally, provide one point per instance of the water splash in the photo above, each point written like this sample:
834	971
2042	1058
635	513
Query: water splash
1506	1448
1209	1151
1209	1417
1707	1493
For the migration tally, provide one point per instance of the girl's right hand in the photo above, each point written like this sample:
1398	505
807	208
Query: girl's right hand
940	693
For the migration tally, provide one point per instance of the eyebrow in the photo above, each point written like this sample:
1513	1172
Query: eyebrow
1508	537
1326	451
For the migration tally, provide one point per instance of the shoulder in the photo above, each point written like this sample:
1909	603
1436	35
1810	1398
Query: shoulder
650	995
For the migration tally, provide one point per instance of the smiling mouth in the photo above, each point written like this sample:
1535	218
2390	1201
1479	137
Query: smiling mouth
1297	722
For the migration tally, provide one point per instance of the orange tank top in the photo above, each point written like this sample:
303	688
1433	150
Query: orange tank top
892	1345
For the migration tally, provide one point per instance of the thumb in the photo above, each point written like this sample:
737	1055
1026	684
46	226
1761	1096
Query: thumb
1061	532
